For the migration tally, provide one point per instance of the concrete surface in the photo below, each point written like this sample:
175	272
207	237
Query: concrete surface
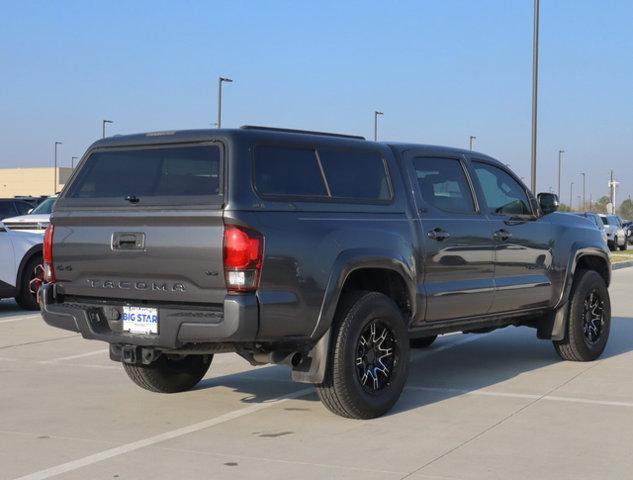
500	405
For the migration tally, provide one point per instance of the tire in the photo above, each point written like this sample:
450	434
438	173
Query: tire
623	247
363	390
170	375
585	341
26	299
422	342
613	246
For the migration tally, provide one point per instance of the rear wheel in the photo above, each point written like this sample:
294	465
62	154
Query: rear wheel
170	374
422	342
369	359
30	284
589	319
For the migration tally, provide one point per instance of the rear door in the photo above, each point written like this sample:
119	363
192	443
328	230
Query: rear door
143	223
457	239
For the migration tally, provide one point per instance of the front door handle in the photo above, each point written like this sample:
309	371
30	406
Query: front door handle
438	234
501	235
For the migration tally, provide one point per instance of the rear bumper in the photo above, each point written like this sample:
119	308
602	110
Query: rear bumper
235	321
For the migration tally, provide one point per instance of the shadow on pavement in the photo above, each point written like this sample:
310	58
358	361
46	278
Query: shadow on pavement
489	360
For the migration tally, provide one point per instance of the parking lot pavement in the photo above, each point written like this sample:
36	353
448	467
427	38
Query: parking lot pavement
500	405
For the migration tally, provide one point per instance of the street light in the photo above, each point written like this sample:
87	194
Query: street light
376	113
220	80
571	195
471	138
55	169
584	199
72	162
560	168
103	126
534	91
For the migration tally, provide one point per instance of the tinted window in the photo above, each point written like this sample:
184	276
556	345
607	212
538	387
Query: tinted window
605	220
503	194
355	174
149	173
7	210
23	207
443	184
288	171
44	208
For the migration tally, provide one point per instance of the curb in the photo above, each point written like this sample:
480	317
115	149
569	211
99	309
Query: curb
617	266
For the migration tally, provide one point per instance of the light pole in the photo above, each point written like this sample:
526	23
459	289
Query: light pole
571	195
471	138
560	168
534	91
55	169
376	113
220	81
103	127
72	162
584	199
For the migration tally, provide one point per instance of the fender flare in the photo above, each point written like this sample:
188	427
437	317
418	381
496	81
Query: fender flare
554	326
34	250
313	368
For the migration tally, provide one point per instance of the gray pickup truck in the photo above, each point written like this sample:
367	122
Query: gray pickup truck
327	253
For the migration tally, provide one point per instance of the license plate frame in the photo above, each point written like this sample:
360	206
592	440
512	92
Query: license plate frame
140	320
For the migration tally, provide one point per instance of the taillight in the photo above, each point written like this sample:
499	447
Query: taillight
49	270
243	251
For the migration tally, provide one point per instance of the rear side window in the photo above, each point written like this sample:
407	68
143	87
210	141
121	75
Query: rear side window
605	220
443	184
23	207
7	210
189	173
355	174
329	173
288	171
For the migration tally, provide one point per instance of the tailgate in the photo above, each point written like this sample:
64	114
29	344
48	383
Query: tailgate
171	256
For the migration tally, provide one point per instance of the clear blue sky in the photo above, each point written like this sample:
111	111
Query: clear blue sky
439	70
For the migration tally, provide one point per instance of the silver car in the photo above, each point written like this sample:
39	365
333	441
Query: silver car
616	236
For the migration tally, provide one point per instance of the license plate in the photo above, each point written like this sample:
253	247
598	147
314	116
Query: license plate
140	320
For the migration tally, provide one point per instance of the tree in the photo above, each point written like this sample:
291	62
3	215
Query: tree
600	206
626	209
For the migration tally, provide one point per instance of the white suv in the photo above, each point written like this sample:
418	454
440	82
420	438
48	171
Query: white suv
616	236
20	266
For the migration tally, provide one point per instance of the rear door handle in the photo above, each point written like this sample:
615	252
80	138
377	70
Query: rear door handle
501	235
438	234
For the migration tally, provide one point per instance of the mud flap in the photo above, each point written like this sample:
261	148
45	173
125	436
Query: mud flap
554	325
313	366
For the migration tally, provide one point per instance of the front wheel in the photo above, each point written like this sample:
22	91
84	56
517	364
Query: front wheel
30	282
369	360
589	319
170	374
623	246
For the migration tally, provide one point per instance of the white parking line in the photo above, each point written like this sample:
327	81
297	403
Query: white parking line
18	318
146	442
73	357
527	396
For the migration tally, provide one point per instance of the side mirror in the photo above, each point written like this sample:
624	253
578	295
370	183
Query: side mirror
548	202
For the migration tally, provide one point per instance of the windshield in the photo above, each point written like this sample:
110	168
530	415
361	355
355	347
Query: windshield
45	207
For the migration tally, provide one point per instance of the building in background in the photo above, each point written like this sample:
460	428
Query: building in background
34	181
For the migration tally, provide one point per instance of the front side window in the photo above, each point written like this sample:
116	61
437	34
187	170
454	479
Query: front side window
502	193
443	184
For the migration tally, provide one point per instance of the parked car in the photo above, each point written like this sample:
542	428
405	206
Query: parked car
327	253
597	221
33	201
35	221
628	228
616	236
20	266
10	207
